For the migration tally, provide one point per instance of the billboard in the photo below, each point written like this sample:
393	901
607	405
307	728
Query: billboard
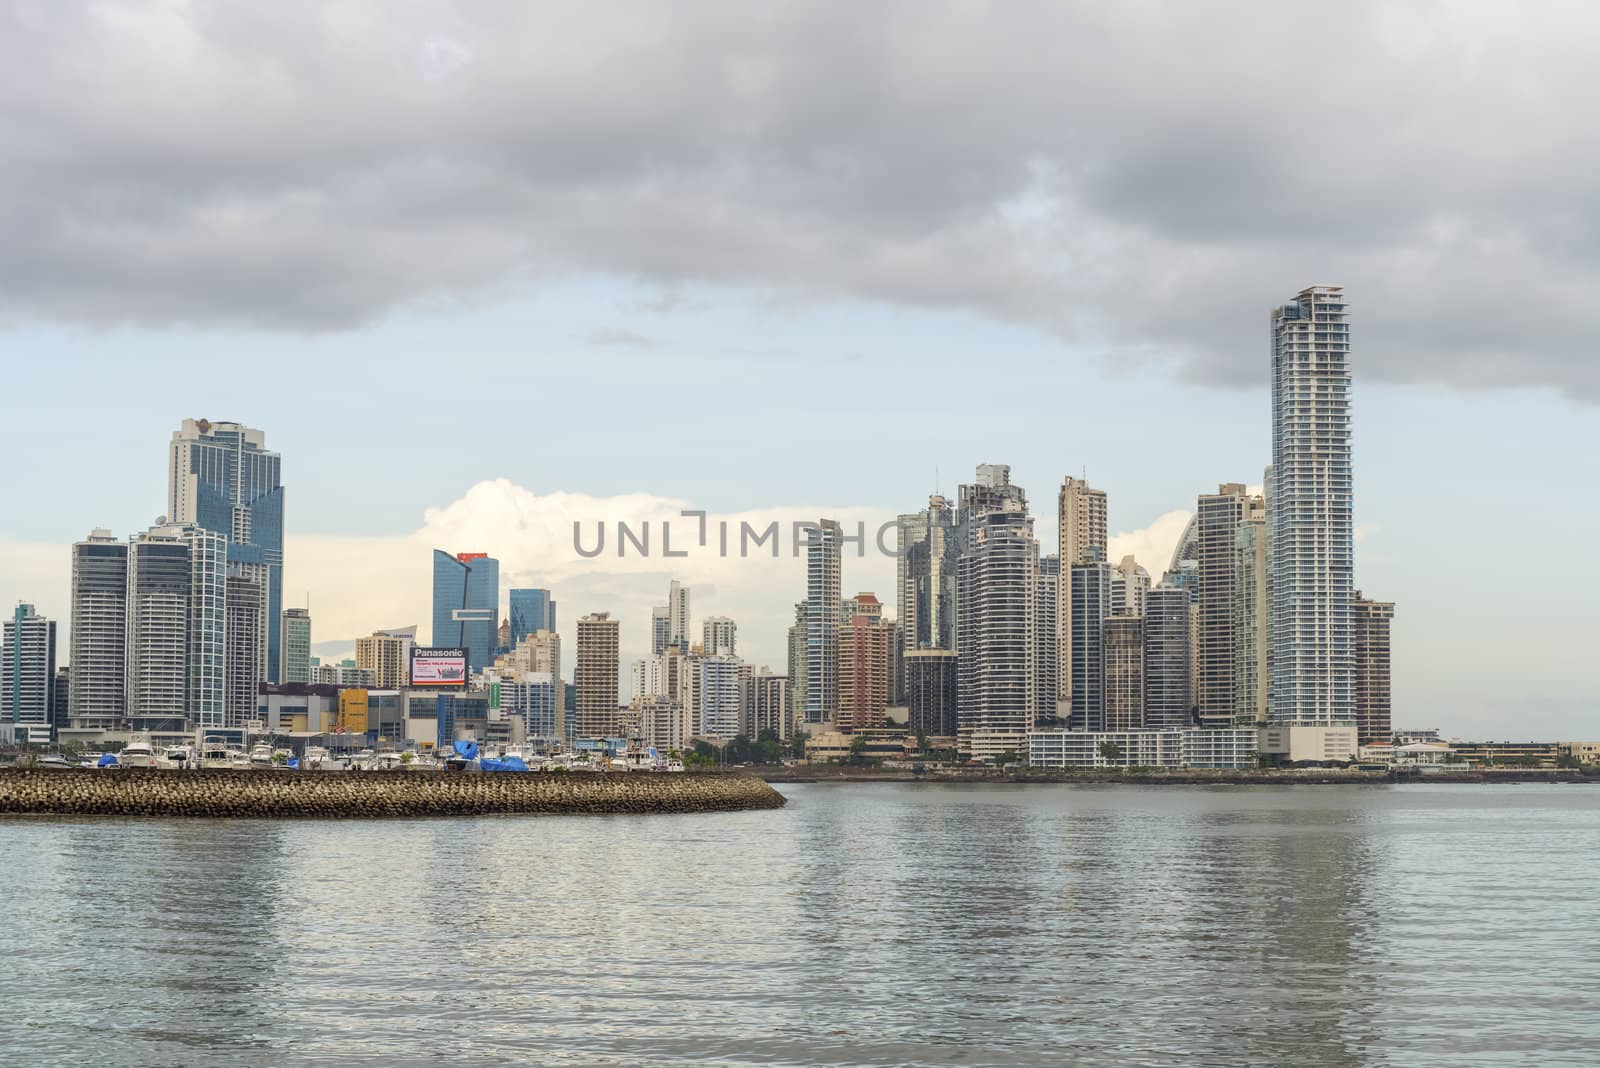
438	667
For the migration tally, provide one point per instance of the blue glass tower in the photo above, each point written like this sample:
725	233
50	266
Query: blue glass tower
531	610
466	600
221	478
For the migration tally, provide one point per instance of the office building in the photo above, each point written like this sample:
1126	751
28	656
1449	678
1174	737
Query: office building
596	676
823	608
222	479
466	605
99	641
1370	646
1309	514
719	636
998	575
1250	619
1081	529
296	630
60	697
387	655
1090	602
663	725
159	646
1124	683
531	610
1167	704
931	692
1218	517
796	660
28	672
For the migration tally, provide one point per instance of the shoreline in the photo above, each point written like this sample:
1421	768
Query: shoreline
227	794
1197	777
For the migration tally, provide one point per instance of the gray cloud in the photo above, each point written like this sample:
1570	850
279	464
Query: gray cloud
1145	180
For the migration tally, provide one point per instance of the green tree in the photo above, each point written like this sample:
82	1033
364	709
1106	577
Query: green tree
1110	751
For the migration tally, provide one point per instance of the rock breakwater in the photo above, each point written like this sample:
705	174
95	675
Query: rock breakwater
370	795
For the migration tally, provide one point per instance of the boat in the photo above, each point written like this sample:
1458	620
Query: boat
319	759
672	764
215	754
261	756
388	760
53	761
138	753
238	759
177	757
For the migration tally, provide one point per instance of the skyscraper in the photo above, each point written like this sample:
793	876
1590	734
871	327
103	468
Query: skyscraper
1166	658
1123	639
1081	527
531	610
1250	618
222	478
466	604
1370	648
1217	519
1046	637
718	697
242	649
678	614
99	642
296	665
28	672
925	576
1309	515
823	545
720	636
998	575
596	676
1129	584
387	654
766	706
159	646
864	664
931	692
1090	593
797	663
660	629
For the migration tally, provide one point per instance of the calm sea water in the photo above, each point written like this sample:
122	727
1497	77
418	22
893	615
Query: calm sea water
865	924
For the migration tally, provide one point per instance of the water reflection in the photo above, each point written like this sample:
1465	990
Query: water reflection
884	924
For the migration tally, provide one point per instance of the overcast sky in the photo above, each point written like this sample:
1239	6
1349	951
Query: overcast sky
479	269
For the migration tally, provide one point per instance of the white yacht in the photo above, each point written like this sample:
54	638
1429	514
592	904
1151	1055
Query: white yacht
238	759
318	759
215	754
139	753
261	756
177	757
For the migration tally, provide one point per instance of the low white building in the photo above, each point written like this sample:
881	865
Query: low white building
1423	755
1304	742
1189	748
988	747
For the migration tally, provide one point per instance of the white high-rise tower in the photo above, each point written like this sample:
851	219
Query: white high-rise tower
1309	513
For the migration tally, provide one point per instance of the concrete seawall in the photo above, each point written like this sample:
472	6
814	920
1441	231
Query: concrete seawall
371	795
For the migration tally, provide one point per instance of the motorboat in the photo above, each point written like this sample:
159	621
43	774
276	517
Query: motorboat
238	759
261	756
319	759
139	753
53	761
388	760
177	757
215	754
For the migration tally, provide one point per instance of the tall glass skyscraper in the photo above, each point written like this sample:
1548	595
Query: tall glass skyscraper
466	603
1309	513
823	610
220	477
531	610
